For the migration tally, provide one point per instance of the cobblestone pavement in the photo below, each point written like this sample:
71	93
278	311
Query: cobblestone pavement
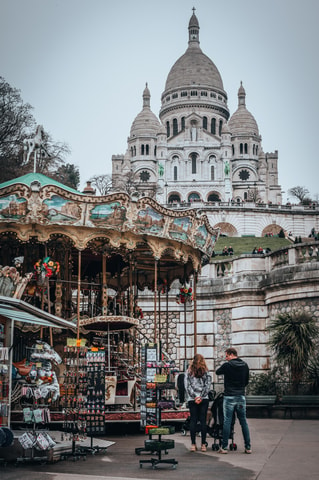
282	450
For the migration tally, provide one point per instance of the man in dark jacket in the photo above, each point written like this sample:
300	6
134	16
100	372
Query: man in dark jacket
236	377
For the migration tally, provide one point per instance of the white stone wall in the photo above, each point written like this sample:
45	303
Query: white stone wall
235	310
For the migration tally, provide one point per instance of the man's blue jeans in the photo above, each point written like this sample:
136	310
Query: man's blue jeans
238	404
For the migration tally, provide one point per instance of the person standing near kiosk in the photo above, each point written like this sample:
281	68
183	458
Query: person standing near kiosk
197	385
236	377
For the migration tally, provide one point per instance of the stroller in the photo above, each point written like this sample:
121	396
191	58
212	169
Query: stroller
215	426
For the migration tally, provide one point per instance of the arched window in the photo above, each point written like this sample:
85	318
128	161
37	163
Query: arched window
175	126
168	130
155	151
241	148
220	127
213	126
194	161
193	197
174	198
205	123
212	172
246	148
134	151
183	123
147	149
175	173
233	149
142	149
213	197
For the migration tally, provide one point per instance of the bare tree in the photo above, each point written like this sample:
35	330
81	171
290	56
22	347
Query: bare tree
131	185
17	124
128	184
299	192
102	182
253	195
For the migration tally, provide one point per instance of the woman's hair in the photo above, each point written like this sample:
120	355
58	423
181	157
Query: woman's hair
198	366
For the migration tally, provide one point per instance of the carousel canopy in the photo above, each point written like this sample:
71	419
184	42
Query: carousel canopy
131	235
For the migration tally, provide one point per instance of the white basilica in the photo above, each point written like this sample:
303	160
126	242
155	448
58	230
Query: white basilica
196	151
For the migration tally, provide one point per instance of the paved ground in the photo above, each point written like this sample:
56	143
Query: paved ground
282	450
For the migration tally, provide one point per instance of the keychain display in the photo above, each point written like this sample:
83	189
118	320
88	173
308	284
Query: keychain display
95	393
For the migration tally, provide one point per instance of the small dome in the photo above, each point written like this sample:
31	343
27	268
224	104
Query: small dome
242	121
145	123
225	128
162	130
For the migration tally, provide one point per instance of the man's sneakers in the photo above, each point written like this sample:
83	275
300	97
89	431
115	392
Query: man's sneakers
222	450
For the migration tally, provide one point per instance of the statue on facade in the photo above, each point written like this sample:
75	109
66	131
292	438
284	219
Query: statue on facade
160	169
226	170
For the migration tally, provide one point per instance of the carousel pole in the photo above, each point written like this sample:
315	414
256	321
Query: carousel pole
134	332
167	315
185	332
131	300
159	309
195	311
155	295
78	343
104	286
79	296
104	308
48	294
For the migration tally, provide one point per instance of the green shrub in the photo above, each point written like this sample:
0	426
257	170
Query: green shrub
268	383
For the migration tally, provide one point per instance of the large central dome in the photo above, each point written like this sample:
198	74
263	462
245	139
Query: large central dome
194	68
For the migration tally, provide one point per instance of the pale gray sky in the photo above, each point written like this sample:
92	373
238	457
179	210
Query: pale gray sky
83	65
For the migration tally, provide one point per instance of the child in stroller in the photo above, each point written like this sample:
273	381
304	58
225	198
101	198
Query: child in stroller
215	425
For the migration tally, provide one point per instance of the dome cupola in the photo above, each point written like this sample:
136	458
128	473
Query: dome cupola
145	123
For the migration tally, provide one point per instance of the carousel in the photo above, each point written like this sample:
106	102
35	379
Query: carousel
93	261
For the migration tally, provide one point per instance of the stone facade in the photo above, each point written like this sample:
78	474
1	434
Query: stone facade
235	308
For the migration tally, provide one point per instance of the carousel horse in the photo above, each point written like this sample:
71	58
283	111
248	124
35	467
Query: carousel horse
32	143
